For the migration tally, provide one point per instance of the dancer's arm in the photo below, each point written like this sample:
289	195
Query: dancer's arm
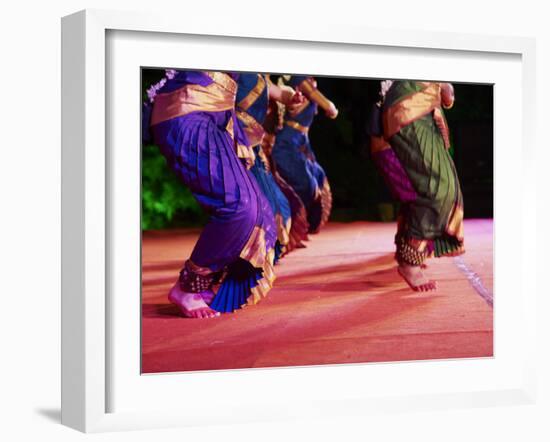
309	89
283	94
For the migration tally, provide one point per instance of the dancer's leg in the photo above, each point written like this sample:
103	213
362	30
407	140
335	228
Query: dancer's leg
201	152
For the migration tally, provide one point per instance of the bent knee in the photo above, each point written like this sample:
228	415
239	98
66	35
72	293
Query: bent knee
243	208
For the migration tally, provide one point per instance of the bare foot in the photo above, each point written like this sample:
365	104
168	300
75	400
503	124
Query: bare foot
191	305
414	276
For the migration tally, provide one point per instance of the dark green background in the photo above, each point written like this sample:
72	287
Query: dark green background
342	148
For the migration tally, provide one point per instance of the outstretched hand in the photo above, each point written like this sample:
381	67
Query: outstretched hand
295	100
332	111
447	95
291	97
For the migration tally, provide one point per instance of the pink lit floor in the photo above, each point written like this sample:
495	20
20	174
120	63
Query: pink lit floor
339	300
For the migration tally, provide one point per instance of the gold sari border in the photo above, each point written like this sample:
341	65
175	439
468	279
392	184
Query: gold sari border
420	245
455	225
253	95
246	154
411	108
266	283
217	96
224	80
254	251
256	254
326	202
295	125
282	230
268	141
254	130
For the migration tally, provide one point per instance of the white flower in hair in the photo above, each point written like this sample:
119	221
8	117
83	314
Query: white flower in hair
384	87
152	91
170	73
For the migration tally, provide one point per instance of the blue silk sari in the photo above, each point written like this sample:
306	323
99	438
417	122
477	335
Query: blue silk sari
252	103
297	164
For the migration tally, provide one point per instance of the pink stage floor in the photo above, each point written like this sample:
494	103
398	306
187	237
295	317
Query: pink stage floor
339	300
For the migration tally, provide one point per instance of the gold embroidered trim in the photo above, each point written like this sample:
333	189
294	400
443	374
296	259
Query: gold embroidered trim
246	154
297	126
223	80
455	225
256	254
411	108
282	230
266	283
230	129
217	96
326	202
254	250
253	95
254	130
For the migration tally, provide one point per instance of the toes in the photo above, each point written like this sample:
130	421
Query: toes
197	313
202	313
209	313
431	285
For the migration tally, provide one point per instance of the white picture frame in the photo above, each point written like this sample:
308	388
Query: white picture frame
87	356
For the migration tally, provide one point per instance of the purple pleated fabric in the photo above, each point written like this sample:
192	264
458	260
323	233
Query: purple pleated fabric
394	175
201	152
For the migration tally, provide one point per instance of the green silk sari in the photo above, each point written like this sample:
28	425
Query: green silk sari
416	130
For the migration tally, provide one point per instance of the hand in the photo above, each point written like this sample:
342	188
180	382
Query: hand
295	103
447	95
298	98
331	112
290	97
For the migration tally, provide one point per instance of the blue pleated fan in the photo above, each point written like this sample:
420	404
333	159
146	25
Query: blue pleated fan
235	288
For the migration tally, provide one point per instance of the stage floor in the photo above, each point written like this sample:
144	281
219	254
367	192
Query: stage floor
340	300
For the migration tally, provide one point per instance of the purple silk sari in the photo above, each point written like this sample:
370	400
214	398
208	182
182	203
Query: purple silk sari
200	144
